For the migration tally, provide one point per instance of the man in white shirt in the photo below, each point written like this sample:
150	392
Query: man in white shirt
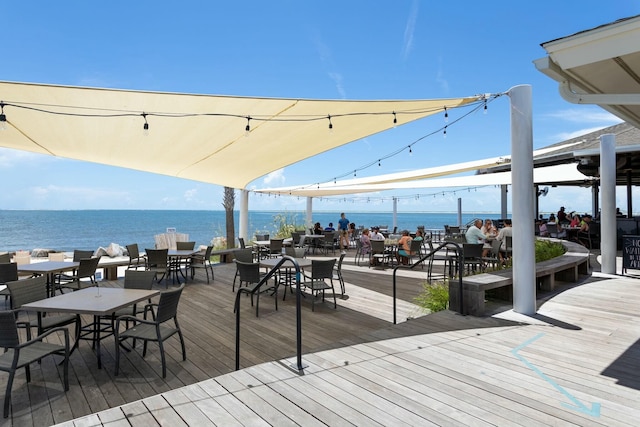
376	235
506	231
474	234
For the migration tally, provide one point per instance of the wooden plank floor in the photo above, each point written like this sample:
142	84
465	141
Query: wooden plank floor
575	363
206	316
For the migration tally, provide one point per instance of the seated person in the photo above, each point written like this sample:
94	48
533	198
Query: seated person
377	235
506	231
419	235
584	224
317	228
365	242
329	227
474	236
488	229
575	221
560	233
404	248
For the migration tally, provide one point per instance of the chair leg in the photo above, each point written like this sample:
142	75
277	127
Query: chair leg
7	394
162	357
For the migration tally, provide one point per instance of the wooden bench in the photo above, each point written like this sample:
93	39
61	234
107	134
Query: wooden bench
226	255
566	268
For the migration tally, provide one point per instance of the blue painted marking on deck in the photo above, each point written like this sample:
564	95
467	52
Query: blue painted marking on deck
594	411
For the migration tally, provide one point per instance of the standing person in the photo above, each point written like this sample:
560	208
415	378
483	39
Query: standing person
343	228
562	216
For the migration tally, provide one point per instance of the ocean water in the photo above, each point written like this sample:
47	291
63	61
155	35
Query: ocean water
91	229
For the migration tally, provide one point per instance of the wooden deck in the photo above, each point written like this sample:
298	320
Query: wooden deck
574	364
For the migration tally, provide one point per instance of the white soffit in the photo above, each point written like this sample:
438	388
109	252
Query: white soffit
197	137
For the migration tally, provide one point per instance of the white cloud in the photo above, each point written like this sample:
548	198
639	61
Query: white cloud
190	195
586	115
409	30
337	79
275	178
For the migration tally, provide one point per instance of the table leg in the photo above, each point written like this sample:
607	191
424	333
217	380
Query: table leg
96	337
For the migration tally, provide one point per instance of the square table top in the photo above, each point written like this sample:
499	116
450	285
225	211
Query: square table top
94	300
46	267
182	252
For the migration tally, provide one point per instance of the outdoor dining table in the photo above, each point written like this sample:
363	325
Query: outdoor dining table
50	268
176	256
286	267
93	301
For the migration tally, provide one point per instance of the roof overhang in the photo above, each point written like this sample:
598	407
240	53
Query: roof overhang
197	137
599	66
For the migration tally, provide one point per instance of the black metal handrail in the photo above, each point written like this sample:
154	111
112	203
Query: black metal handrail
421	261
255	289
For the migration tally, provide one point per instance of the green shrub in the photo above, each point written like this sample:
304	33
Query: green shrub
434	296
547	250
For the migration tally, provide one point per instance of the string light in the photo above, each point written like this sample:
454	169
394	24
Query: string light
3	117
485	106
145	126
247	129
446	115
445	132
410	151
379	163
330	124
395	119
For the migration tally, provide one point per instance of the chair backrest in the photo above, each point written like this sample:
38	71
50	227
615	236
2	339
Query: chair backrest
262	237
79	254
243	255
248	271
322	269
27	290
454	229
509	243
242	244
294	252
416	246
5	257
329	236
377	246
8	272
339	266
207	253
8	330
139	279
275	246
552	230
87	267
185	246
157	257
296	235
472	250
133	251
168	304
56	256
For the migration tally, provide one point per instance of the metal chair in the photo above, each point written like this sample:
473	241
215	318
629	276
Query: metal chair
157	262
321	270
472	257
337	274
135	259
86	270
379	254
157	330
8	273
5	258
249	274
135	279
242	255
202	261
21	355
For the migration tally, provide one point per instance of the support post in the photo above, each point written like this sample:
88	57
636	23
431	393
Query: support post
608	246
524	276
309	213
459	211
504	190
243	227
395	213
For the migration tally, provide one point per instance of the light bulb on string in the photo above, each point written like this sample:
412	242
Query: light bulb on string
446	115
354	173
3	117
395	120
410	151
379	164
485	106
330	124
247	129
145	126
445	132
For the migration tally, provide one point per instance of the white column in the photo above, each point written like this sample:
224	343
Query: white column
395	213
524	276
504	189
608	194
459	211
309	213
243	227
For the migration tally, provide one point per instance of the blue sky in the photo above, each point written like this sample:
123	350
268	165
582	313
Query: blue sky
407	49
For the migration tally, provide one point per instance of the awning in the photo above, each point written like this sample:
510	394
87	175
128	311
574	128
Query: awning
197	137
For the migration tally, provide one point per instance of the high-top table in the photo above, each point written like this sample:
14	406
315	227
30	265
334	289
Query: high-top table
93	301
50	268
176	258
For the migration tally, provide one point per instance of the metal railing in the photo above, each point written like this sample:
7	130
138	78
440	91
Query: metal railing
257	288
431	254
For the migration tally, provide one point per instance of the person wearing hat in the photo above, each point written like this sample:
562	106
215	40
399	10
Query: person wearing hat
376	234
562	216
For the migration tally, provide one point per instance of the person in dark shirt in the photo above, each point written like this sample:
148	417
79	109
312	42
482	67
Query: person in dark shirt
562	216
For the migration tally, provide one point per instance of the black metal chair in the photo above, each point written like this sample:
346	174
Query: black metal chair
157	261
337	274
8	273
135	259
135	279
242	255
202	261
86	270
472	257
157	330
321	271
249	274
21	355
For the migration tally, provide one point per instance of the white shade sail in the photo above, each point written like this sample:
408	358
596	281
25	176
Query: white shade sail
197	137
